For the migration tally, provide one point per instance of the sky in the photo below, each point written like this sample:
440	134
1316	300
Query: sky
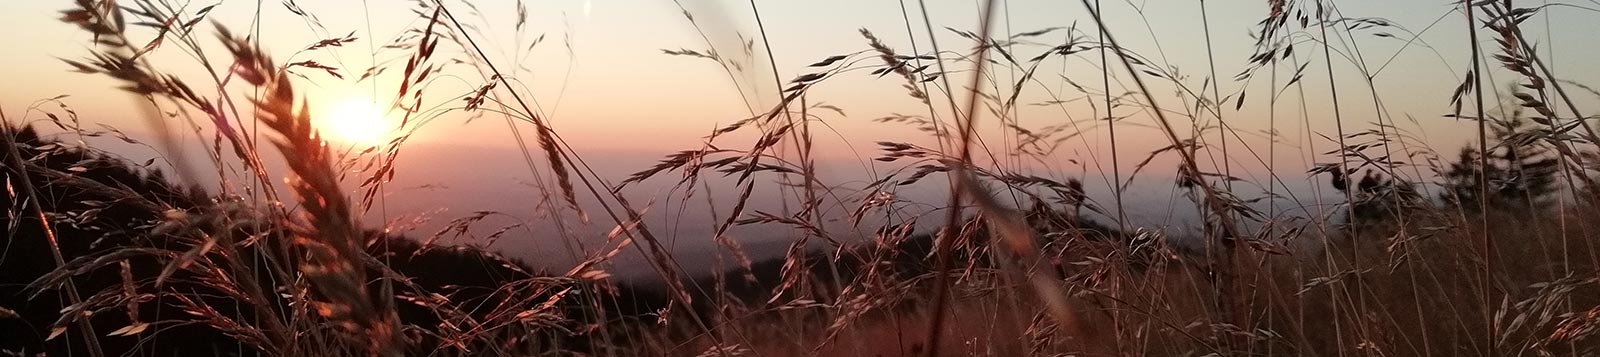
619	71
600	76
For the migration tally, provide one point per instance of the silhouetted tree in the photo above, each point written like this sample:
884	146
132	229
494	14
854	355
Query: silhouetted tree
1521	174
1377	199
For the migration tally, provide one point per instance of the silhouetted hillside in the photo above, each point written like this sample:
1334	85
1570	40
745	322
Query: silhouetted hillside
117	226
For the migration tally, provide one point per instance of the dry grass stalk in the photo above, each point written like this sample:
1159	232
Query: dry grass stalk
329	233
90	338
1159	296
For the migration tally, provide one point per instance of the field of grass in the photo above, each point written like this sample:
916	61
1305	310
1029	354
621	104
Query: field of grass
1360	240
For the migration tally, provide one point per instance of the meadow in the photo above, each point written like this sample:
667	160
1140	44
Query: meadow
1298	207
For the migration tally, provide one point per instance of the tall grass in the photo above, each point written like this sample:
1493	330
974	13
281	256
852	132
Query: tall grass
1489	253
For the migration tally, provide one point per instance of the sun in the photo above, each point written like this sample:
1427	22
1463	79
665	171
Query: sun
355	120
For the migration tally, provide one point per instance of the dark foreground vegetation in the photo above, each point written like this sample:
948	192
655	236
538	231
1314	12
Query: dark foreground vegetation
122	229
1491	251
164	269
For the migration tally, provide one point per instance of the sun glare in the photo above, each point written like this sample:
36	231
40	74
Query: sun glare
354	120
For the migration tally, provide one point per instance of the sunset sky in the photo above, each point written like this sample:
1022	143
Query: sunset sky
619	100
623	86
